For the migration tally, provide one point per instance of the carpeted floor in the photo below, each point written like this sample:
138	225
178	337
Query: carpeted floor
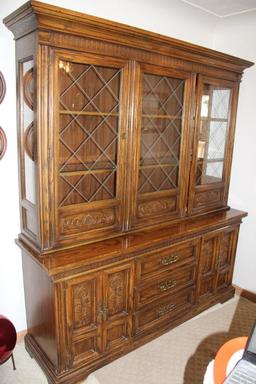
179	356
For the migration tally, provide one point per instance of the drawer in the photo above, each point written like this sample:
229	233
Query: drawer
167	258
161	312
164	284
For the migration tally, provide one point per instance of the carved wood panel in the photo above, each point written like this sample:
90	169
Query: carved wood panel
226	257
156	207
207	268
83	331
87	221
117	304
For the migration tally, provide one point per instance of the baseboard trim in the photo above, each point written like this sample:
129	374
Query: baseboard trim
246	294
21	335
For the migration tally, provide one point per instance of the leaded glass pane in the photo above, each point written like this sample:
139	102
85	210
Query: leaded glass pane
212	134
88	132
161	124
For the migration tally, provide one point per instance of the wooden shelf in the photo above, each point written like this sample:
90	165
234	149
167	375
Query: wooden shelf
164	165
87	172
70	112
170	117
217	160
203	118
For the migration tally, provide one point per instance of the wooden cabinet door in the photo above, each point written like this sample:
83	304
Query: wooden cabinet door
217	261
213	144
89	123
160	154
117	306
207	266
82	302
226	257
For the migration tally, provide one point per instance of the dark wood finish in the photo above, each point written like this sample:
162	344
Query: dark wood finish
3	143
124	177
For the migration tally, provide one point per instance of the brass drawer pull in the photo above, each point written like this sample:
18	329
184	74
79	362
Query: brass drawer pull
165	309
165	285
170	259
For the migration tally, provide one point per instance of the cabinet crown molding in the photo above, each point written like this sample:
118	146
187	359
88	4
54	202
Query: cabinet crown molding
35	15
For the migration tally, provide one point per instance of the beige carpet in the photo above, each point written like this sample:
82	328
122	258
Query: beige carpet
179	356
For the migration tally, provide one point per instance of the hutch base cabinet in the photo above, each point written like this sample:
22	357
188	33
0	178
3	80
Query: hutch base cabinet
125	141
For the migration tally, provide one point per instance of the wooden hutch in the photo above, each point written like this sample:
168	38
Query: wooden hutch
125	141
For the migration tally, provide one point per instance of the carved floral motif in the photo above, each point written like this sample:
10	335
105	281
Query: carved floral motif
207	197
224	249
156	206
116	293
207	252
90	219
82	305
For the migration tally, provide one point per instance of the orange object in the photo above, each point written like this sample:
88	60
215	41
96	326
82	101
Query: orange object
223	356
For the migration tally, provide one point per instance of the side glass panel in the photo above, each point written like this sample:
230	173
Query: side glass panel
214	120
28	130
88	132
162	107
28	148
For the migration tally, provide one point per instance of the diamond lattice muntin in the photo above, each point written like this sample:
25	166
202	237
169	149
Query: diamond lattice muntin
162	109
88	134
213	132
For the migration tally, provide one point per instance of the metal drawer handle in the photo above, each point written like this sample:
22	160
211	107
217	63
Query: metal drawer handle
170	259
165	285
165	309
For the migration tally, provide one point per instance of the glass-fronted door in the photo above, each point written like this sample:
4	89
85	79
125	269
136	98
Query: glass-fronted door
90	155
164	109
211	146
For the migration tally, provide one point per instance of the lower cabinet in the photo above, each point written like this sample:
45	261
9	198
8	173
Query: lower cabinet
217	258
105	310
99	309
95	316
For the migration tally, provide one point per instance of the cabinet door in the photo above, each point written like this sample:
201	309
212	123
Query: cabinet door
226	257
161	159
207	267
83	308
213	144
217	261
117	306
89	123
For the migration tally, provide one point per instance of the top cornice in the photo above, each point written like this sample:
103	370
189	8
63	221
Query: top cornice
35	15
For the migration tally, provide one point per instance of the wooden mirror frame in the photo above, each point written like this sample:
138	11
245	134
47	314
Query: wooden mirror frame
3	143
2	87
29	141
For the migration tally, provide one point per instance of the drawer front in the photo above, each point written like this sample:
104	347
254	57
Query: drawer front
163	311
165	284
167	259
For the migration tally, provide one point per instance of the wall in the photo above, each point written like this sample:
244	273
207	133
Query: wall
236	35
172	18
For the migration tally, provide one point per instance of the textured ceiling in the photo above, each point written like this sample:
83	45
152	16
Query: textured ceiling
223	8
